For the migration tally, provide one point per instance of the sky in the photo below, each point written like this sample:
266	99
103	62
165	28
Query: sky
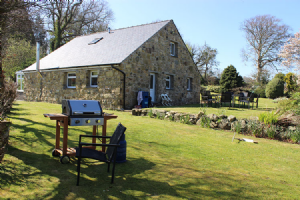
214	22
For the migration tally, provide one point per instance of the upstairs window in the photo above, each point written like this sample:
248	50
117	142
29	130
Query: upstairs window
172	49
94	79
71	80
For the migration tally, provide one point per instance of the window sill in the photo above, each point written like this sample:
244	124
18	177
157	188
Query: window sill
91	87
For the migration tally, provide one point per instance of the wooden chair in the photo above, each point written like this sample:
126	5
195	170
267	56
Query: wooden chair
109	156
207	97
226	97
248	100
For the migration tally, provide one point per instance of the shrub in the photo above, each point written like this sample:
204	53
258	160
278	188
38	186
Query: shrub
275	88
204	122
268	118
271	131
261	91
291	81
237	127
292	104
295	136
7	98
213	88
150	113
256	128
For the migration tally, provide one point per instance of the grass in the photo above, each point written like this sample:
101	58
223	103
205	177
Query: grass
165	160
263	106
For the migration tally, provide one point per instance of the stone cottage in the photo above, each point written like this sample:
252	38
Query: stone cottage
112	66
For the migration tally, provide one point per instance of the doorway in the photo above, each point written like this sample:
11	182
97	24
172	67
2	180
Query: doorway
152	87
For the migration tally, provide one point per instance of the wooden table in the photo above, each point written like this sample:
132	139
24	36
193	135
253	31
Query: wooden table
62	121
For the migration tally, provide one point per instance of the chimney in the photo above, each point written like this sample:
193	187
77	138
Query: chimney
37	56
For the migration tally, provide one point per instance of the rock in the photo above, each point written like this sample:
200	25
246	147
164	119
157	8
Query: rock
231	118
177	117
193	119
133	111
222	116
200	114
243	125
225	124
213	124
144	112
292	128
213	117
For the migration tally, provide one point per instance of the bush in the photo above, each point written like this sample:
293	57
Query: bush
213	88
7	98
291	81
268	118
292	104
261	91
275	88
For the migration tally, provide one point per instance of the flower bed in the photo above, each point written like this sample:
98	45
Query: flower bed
280	131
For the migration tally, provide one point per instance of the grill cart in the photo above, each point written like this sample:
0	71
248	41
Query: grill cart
77	113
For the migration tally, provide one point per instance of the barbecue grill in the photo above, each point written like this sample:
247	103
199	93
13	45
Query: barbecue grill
78	113
83	112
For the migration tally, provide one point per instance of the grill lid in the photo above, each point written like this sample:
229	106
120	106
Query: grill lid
81	107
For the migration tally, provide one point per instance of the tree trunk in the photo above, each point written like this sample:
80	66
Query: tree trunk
259	71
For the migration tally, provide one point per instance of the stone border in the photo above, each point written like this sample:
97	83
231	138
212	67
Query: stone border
221	121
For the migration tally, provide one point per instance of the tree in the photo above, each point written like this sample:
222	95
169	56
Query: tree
291	81
265	35
7	11
19	54
275	88
230	79
204	58
290	52
68	19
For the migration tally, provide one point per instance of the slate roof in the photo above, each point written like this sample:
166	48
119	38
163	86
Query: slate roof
112	49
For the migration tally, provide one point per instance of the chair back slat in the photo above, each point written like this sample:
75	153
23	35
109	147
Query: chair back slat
115	139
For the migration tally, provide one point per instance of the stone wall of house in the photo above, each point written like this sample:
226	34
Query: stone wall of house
52	87
154	57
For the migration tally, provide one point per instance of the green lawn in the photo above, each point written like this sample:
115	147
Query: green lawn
165	160
240	112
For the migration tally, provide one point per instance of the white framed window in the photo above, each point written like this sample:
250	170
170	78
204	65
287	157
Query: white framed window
20	82
169	81
94	79
71	80
172	49
189	84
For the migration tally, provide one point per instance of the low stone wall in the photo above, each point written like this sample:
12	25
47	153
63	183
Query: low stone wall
215	121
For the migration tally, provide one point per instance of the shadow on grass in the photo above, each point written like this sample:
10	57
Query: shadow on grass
95	181
134	179
40	134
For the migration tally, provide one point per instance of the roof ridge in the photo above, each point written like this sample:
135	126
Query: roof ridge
143	24
125	28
